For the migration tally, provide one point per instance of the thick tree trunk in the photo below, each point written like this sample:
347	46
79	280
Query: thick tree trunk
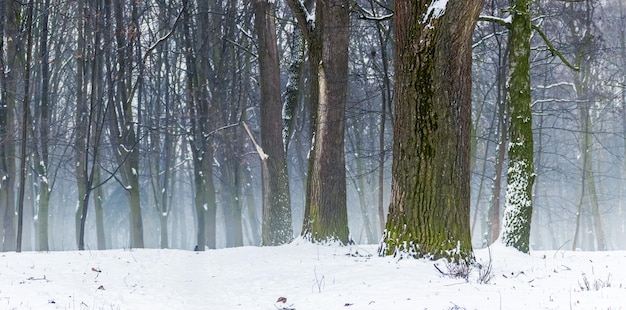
430	194
326	217
277	228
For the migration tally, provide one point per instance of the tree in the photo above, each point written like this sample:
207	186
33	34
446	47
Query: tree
277	227
122	122
492	61
25	120
12	66
198	105
42	152
586	44
161	118
327	35
90	119
521	171
429	210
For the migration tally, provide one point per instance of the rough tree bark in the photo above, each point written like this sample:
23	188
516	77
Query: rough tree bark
325	26
521	171
277	228
430	203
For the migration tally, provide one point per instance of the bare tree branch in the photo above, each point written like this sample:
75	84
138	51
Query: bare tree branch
554	50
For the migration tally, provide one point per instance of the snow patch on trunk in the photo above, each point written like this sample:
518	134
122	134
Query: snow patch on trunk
436	9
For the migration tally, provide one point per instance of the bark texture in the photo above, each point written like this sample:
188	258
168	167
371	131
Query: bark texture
521	171
277	228
326	216
430	202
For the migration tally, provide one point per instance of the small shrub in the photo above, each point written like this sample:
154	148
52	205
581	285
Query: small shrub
456	307
485	273
456	270
596	285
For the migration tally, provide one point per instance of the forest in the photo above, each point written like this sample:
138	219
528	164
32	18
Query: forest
194	124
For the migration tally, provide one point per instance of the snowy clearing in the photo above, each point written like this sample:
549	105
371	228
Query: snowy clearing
305	276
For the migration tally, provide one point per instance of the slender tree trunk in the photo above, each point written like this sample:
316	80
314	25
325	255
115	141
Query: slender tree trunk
25	114
255	224
359	185
588	187
80	138
42	155
200	140
11	69
494	231
521	171
99	211
622	44
5	177
503	124
124	128
386	101
294	90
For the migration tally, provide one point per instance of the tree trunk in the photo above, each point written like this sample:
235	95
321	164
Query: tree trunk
277	228
99	211
325	216
386	101
11	67
521	172
253	219
123	128
41	155
583	34
200	139
621	229
80	138
358	180
503	123
25	121
430	194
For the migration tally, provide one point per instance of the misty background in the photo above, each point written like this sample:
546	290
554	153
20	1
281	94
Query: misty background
579	121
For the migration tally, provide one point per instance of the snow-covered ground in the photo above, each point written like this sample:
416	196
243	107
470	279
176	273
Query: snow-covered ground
305	276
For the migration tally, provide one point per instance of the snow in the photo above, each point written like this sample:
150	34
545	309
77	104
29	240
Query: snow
436	9
310	16
309	277
506	20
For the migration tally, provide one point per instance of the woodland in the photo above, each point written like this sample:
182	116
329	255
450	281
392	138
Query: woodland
430	127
